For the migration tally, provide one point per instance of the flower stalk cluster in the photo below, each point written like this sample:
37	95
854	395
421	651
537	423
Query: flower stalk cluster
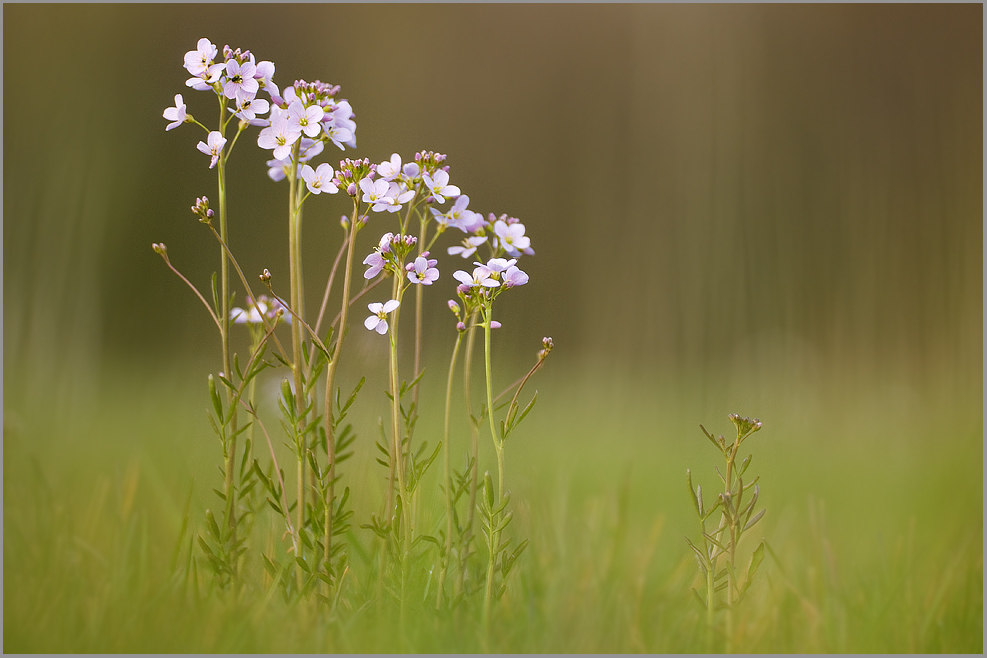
420	203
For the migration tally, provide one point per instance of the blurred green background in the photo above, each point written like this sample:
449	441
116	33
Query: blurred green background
771	210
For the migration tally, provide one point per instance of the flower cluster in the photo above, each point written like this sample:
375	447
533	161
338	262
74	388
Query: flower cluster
239	77
351	172
306	117
508	232
202	211
236	79
485	283
389	255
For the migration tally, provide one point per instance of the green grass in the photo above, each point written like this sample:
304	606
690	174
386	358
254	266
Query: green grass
874	520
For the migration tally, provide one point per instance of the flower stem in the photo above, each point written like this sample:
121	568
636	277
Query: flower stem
230	465
398	447
419	295
499	448
294	260
330	380
474	456
448	476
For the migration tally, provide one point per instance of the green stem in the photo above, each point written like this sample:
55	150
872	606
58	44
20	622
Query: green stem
731	524
419	295
294	259
230	466
499	449
330	380
397	447
448	475
474	455
710	575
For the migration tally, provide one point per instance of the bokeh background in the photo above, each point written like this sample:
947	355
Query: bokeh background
771	210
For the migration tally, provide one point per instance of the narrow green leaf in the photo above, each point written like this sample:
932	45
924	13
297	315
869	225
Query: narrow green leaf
488	490
505	521
713	541
215	296
352	398
712	509
709	436
205	548
212	526
757	517
756	558
415	381
526	411
744	465
245	458
217	403
503	503
703	560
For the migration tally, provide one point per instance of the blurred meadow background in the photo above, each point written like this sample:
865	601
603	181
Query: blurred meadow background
774	211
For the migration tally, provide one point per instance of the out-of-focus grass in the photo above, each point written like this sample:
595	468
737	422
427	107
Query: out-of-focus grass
874	519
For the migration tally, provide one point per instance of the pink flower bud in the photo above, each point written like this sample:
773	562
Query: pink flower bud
495	325
461	326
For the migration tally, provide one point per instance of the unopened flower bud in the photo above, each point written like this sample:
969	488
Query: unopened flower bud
453	306
409	267
461	326
351	189
344	222
463	288
495	325
159	248
210	214
265	275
